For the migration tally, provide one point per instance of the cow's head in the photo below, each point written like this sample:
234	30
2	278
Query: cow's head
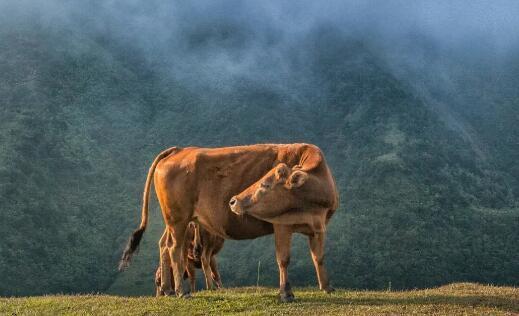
271	195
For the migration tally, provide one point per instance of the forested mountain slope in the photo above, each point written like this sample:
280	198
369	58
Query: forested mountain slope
83	116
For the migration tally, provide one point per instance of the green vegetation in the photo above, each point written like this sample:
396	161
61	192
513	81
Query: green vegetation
454	299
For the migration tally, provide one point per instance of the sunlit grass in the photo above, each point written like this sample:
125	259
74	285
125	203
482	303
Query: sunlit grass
453	299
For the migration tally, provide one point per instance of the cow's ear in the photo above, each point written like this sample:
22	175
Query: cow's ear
282	172
297	179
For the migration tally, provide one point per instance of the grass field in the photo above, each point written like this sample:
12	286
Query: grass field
454	299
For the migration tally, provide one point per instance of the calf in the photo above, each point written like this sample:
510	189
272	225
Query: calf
209	246
200	252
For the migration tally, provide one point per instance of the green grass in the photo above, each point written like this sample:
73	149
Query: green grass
454	299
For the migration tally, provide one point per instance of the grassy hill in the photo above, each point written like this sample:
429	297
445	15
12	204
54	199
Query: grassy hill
453	299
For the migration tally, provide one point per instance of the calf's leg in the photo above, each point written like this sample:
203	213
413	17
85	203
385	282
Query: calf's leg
206	266
158	290
191	274
283	239
215	275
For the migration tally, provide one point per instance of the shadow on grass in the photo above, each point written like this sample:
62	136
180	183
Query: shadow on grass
510	305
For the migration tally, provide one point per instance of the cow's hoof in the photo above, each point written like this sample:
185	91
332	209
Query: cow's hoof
168	293
286	297
329	290
185	290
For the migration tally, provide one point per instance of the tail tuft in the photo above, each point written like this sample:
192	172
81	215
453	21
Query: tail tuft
132	245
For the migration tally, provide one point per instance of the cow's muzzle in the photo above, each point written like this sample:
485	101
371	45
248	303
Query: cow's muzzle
237	206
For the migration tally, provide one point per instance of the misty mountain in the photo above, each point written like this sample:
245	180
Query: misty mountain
422	140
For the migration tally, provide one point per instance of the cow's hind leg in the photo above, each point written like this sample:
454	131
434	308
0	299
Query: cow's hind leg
283	239
165	285
178	232
316	243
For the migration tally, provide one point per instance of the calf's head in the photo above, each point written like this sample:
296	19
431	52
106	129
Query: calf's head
273	194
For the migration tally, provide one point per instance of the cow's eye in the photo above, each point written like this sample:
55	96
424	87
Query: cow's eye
265	185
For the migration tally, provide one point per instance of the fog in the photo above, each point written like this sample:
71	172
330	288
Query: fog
435	47
215	42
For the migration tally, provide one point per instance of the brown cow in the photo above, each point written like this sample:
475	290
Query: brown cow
201	249
272	188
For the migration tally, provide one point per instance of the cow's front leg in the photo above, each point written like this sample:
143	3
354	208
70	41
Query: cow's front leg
283	238
316	243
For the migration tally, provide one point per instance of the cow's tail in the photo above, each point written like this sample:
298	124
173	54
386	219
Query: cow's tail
136	237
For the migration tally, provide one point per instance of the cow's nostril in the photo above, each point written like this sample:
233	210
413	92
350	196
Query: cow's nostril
232	202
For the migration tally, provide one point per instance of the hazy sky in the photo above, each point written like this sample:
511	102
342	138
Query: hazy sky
448	22
218	40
